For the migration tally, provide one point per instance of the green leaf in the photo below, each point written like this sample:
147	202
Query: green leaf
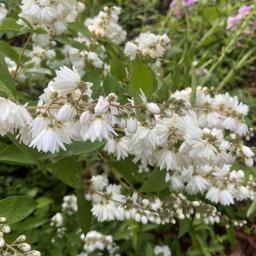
13	155
83	212
117	67
16	208
251	210
68	170
126	169
80	27
77	148
149	250
142	78
155	182
9	24
7	84
184	227
8	51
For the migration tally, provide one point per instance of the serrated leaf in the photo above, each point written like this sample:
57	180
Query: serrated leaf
83	212
155	182
8	51
68	170
142	78
16	208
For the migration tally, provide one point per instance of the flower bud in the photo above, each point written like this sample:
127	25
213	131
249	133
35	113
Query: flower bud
34	253
249	162
24	247
247	151
21	239
6	229
2	219
153	108
102	106
2	242
132	125
85	118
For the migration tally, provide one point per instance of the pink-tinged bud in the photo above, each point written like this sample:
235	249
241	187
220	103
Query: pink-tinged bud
153	108
85	118
102	106
132	125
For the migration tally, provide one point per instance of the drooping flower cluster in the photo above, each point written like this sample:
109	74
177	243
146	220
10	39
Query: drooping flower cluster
68	208
163	250
17	247
51	16
192	143
148	45
109	203
83	59
105	24
96	241
242	13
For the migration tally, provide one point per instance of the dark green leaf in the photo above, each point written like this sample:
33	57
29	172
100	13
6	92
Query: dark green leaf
83	212
184	227
155	182
13	155
9	24
68	170
16	208
8	51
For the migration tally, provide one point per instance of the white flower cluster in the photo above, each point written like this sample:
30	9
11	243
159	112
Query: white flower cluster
110	204
105	24
96	241
82	59
3	12
162	250
148	45
18	247
191	142
52	16
68	208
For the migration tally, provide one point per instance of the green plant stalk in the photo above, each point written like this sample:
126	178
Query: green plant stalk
226	50
231	73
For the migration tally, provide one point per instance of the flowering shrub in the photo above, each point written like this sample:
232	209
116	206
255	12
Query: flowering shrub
127	131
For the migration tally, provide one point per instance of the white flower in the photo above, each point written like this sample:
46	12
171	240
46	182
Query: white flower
66	112
102	106
99	182
162	250
57	220
131	124
66	80
153	108
119	148
247	151
85	118
3	12
166	159
50	140
130	50
98	129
